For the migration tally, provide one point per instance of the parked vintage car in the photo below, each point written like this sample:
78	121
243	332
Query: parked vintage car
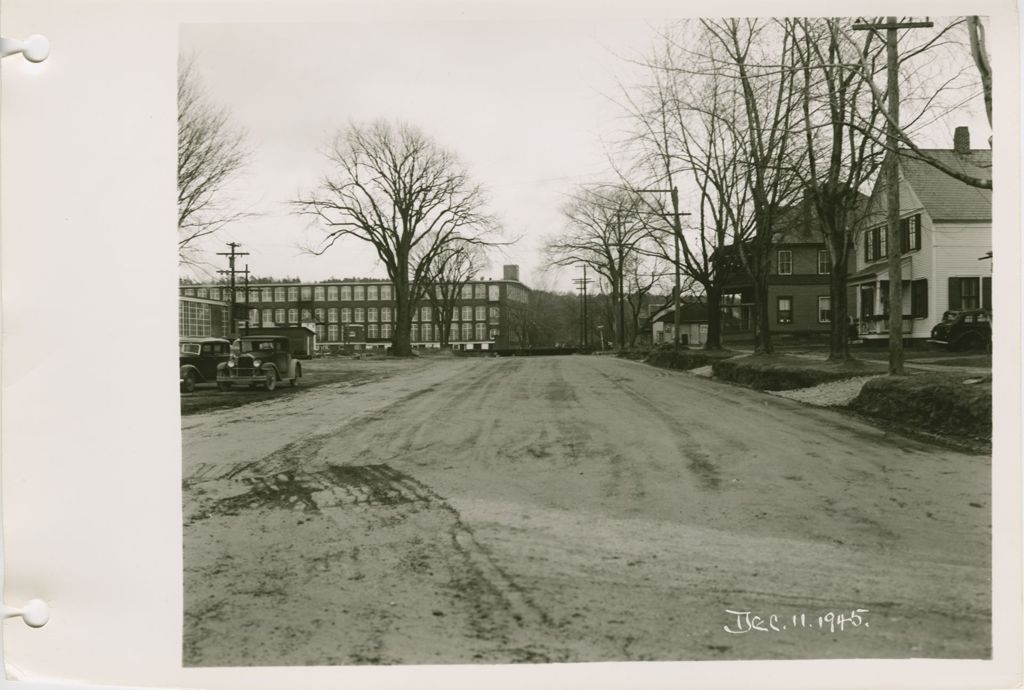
259	360
198	359
964	330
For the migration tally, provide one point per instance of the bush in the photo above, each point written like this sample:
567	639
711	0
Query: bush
774	373
684	359
934	402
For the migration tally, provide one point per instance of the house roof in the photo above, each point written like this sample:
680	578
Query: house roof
689	312
945	197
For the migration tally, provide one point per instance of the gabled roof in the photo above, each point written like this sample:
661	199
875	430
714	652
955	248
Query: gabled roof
947	198
689	312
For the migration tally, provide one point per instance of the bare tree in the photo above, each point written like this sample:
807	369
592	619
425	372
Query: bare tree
837	111
760	64
604	231
211	150
447	273
937	94
394	188
686	134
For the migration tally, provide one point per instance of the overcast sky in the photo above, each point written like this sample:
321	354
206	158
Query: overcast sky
530	107
527	106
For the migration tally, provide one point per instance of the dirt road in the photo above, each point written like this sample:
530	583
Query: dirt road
572	509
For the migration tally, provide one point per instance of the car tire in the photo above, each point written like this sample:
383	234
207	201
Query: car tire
298	374
971	341
271	381
189	384
224	386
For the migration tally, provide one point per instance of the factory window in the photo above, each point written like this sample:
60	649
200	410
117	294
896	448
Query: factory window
318	294
425	314
266	294
306	293
480	291
385	314
358	315
268	316
359	293
215	293
332	333
427	332
346	315
202	292
293	294
481	331
371	293
332	293
453	333
467	292
493	293
293	316
320	332
495	315
307	315
467	314
373	331
385	292
279	294
279	316
332	315
481	313
254	316
318	314
414	334
385	331
467	331
346	293
371	314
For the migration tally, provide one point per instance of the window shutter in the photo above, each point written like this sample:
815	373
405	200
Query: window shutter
986	293
919	298
917	231
867	246
883	295
954	294
904	235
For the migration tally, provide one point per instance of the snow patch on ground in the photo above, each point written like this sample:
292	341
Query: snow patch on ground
831	394
703	371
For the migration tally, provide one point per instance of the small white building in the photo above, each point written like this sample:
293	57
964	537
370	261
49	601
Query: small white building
693	324
946	238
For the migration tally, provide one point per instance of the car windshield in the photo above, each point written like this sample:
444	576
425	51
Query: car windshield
950	316
190	348
257	345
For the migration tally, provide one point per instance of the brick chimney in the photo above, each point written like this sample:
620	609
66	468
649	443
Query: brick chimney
962	140
511	272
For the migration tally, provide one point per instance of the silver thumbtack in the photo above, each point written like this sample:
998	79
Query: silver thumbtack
36	48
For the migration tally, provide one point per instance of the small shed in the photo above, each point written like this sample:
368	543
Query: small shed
693	324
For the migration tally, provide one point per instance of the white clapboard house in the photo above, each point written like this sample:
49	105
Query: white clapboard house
946	238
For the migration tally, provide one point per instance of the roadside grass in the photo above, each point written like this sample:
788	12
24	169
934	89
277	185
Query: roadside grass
951	405
686	359
779	372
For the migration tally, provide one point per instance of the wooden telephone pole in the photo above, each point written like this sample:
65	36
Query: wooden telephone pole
892	182
231	272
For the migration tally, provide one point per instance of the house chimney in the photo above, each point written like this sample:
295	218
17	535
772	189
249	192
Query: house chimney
962	140
511	272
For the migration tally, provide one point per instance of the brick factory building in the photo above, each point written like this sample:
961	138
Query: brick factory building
357	314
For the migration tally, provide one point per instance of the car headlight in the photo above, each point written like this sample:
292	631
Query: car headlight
255	364
231	363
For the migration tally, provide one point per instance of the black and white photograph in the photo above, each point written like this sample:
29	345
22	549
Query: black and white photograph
575	341
522	344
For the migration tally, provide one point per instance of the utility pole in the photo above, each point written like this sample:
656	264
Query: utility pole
232	255
892	183
677	228
581	285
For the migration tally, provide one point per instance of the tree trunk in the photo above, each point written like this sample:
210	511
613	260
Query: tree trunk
762	314
839	340
714	339
401	345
